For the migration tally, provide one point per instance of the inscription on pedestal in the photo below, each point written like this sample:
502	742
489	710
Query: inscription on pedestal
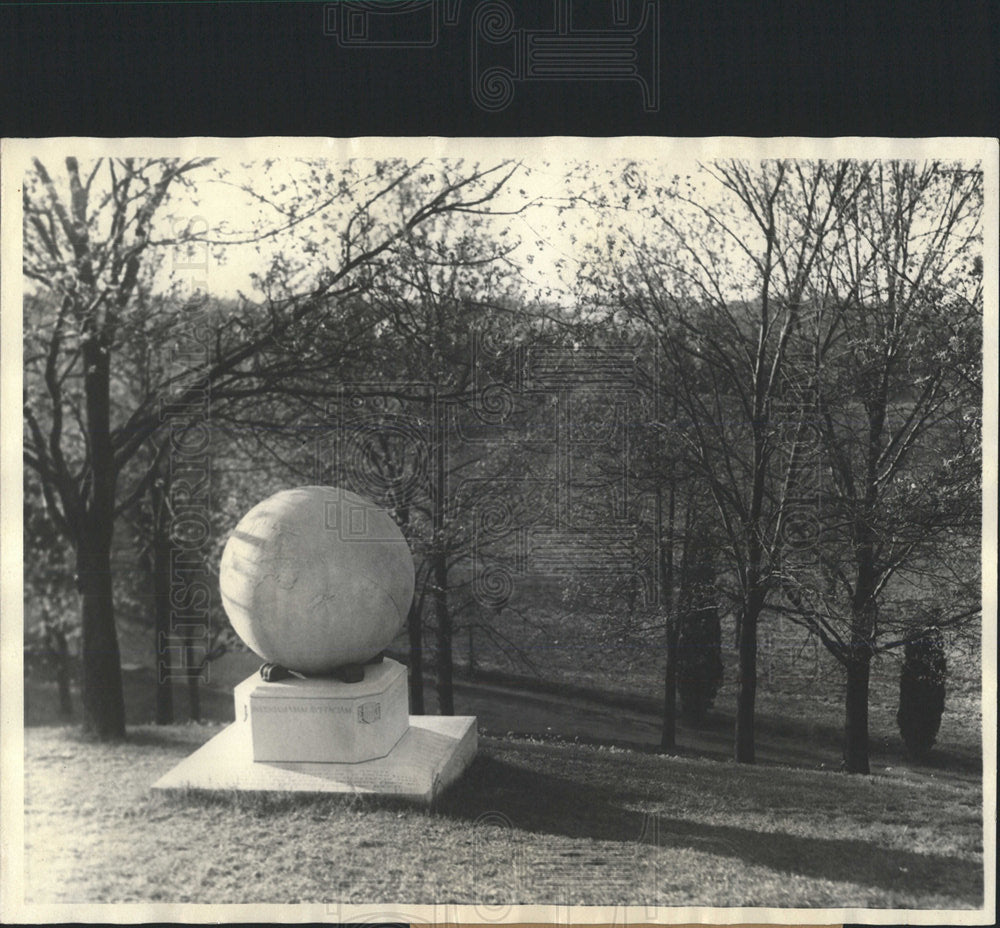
271	710
325	720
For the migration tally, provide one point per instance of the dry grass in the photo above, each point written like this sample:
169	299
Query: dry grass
530	822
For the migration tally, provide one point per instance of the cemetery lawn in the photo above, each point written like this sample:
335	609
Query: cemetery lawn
532	821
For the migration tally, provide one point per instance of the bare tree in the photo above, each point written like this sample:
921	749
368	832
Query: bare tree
89	237
723	286
438	295
896	417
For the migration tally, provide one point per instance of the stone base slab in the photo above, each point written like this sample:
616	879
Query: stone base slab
435	750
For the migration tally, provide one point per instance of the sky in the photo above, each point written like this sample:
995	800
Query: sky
551	253
552	239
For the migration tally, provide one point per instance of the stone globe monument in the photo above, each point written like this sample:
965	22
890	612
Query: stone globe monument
318	582
316	579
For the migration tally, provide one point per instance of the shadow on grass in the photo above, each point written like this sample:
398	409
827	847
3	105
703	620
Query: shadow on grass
547	804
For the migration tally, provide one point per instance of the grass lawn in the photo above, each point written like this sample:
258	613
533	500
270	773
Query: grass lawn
531	822
804	730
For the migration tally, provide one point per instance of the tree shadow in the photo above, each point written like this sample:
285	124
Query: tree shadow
546	804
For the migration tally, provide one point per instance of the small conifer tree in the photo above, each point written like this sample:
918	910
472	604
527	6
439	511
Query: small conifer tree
699	646
921	692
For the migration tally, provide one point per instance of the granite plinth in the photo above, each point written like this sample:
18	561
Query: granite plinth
433	753
325	720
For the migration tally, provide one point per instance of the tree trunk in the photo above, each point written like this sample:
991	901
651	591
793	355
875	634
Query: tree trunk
445	664
161	597
864	607
864	612
103	698
192	671
63	674
668	733
856	716
859	666
746	695
439	565
414	628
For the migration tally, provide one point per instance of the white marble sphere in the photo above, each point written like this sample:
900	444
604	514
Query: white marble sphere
315	578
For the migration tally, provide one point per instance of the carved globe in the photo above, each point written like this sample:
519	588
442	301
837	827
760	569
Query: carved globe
315	578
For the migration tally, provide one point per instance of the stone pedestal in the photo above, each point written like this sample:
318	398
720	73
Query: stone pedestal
325	736
323	720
